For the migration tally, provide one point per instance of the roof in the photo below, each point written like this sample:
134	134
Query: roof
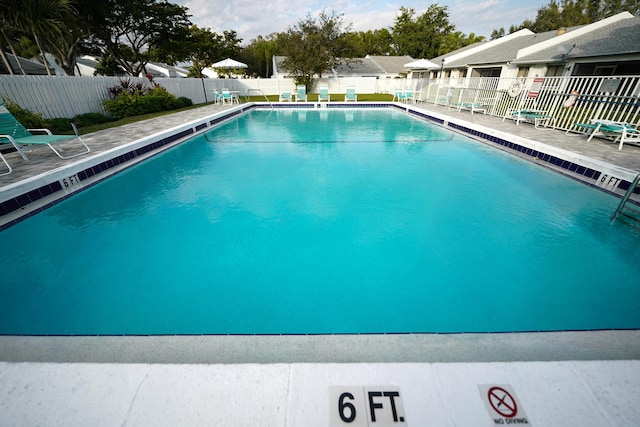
507	51
616	35
619	38
30	67
370	65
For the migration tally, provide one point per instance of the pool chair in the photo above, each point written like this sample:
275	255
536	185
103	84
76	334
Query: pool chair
621	132
228	97
217	96
537	117
398	95
350	94
12	132
285	96
323	94
408	96
301	93
8	171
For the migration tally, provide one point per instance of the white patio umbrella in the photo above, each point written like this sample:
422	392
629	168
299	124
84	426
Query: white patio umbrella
422	64
229	64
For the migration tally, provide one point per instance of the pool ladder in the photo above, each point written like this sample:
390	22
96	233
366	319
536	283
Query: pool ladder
624	201
259	91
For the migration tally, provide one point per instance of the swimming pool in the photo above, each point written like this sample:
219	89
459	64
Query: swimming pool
260	227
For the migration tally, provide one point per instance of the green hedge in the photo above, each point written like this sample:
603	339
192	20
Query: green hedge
139	102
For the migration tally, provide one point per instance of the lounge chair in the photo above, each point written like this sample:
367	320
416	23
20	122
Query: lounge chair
228	97
350	94
285	96
323	94
408	96
12	132
474	100
301	93
621	132
217	96
537	117
7	164
398	95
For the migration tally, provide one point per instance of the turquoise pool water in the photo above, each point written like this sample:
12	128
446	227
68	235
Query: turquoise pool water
258	227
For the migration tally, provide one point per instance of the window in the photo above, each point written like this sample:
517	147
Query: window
523	72
554	71
486	72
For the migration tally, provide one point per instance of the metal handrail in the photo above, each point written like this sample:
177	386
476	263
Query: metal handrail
624	199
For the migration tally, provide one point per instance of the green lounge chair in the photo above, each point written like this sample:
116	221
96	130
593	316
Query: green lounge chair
350	94
301	93
12	132
323	94
621	132
285	96
537	117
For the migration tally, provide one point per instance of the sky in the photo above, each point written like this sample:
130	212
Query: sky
250	18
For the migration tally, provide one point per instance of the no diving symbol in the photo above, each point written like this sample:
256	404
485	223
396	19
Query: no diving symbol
502	402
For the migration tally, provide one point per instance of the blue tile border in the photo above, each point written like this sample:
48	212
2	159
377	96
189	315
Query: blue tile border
17	203
535	154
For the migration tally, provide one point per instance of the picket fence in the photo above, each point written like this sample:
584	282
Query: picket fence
569	100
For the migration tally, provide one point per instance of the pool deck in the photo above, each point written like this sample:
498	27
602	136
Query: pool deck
541	378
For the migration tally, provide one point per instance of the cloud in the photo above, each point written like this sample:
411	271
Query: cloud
250	18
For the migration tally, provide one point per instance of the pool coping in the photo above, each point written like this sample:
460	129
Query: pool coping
369	348
39	192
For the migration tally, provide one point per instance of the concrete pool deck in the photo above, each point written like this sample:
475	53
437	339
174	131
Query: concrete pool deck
563	378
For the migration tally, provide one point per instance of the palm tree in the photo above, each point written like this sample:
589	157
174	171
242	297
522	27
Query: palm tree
42	19
7	25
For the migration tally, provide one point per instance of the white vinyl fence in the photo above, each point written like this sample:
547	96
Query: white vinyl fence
68	96
569	100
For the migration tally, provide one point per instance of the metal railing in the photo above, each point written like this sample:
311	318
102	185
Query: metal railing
569	100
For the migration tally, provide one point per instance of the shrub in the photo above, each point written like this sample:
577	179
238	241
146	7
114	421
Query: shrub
59	125
88	119
28	118
186	102
138	102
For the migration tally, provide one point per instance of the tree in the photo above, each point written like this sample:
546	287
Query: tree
421	36
376	42
133	30
457	40
40	19
108	66
259	53
570	13
68	45
313	47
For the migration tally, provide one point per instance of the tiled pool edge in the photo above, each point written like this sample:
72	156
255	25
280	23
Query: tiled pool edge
29	197
598	174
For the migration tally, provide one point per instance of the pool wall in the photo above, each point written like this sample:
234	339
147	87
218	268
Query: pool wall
23	199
